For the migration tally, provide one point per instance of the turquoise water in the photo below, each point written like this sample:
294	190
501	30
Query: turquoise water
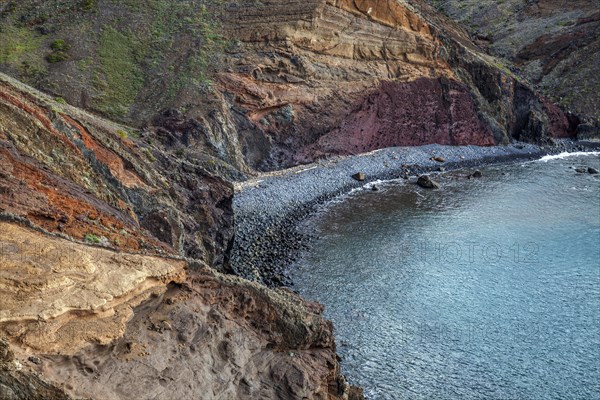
486	289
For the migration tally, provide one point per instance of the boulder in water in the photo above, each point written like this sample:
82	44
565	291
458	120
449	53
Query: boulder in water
476	174
581	170
592	170
438	159
426	182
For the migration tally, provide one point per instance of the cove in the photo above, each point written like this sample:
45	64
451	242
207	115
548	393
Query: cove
485	289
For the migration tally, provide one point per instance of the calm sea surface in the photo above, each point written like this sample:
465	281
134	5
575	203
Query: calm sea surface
486	289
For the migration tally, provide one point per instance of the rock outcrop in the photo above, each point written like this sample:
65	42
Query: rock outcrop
426	182
68	172
51	288
213	337
88	322
341	77
18	384
111	234
555	44
290	81
105	284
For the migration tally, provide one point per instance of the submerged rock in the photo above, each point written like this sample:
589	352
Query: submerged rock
438	159
592	170
476	174
426	182
581	170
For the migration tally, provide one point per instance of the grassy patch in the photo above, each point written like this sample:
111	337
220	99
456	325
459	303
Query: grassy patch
57	56
116	48
194	22
16	43
87	5
91	238
120	78
32	73
122	134
60	45
149	155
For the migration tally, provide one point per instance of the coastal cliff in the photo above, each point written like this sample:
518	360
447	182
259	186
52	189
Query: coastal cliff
117	178
554	44
270	84
103	279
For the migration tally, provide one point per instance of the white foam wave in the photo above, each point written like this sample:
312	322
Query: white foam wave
567	154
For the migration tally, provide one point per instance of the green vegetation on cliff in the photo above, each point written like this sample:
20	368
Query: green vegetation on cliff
120	77
124	59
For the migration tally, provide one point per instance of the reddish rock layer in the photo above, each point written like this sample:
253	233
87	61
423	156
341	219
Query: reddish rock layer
406	114
307	79
68	172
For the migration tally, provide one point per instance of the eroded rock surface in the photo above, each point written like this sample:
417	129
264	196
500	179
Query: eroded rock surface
95	323
108	232
95	302
341	77
18	384
213	337
289	79
555	43
50	287
69	172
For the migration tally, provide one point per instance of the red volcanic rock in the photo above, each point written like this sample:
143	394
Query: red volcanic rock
559	123
423	111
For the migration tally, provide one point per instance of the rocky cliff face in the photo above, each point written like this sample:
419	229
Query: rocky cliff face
65	171
555	44
98	300
287	82
341	77
89	322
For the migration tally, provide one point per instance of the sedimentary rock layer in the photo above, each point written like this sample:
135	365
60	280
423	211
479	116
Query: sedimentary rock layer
342	77
214	337
287	74
556	44
51	287
68	172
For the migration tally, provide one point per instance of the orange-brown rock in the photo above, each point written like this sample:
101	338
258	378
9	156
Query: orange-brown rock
72	173
125	317
290	75
214	337
50	288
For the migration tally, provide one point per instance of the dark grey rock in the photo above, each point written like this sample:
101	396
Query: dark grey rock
35	360
426	182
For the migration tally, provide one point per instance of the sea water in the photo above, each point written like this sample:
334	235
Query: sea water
485	289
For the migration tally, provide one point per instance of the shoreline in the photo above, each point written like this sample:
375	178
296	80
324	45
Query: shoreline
268	208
